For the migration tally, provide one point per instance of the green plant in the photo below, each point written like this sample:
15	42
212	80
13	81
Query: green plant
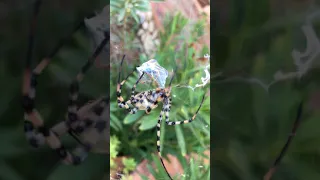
128	8
259	42
136	132
128	163
114	147
18	159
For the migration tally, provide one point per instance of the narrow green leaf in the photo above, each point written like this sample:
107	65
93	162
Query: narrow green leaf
9	173
130	118
116	3
134	15
149	121
115	120
181	141
121	15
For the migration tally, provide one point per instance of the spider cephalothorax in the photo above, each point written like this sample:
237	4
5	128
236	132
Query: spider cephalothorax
86	122
149	100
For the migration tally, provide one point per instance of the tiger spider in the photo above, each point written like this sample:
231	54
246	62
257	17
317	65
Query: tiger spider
85	122
148	100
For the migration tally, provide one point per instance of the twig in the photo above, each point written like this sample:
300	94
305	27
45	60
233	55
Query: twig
297	122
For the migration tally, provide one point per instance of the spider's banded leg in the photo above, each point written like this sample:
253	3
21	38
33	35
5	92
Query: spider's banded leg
174	73
74	87
133	92
90	133
45	62
167	107
158	143
36	138
121	102
32	118
96	107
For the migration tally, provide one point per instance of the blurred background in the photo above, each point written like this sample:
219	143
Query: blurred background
175	33
18	161
257	94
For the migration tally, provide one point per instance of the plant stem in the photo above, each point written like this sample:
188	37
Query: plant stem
296	124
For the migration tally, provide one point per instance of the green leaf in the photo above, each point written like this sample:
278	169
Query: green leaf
149	121
142	6
121	15
134	15
8	172
116	4
129	164
131	118
116	121
87	170
181	141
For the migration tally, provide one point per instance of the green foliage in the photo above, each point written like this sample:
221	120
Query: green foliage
251	124
18	159
129	165
128	8
114	147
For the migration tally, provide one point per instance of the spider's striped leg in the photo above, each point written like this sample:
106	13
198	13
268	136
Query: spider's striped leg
74	87
167	107
36	138
32	117
96	107
121	102
158	143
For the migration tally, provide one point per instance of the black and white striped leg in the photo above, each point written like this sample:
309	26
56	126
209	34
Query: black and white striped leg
74	87
166	110
158	143
121	102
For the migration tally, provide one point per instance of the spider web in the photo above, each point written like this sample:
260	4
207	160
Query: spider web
154	72
304	61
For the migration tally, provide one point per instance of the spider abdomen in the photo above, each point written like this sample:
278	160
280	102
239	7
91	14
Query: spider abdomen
147	100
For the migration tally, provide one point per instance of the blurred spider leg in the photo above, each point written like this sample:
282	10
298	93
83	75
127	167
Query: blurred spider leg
174	73
121	102
72	115
45	62
32	119
167	107
133	92
158	142
74	86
